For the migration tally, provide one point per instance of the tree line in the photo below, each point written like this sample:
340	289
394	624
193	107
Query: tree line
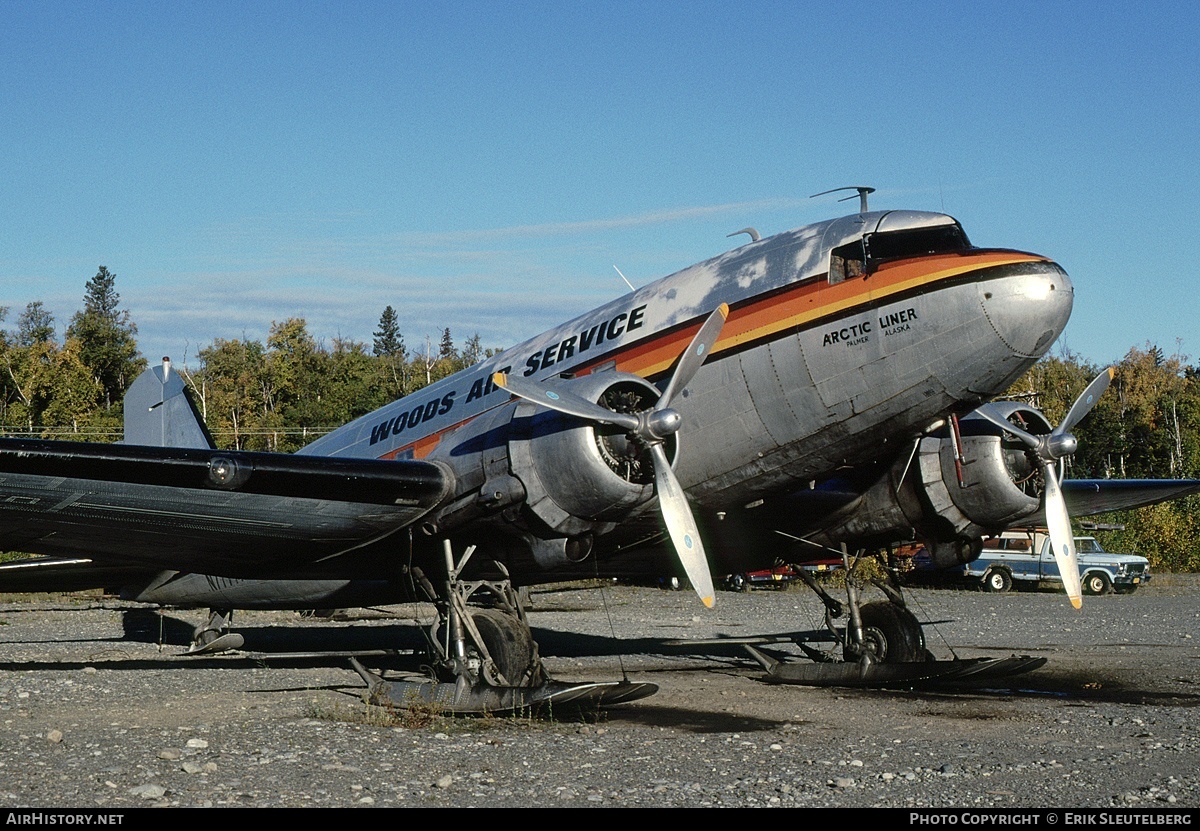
278	395
281	394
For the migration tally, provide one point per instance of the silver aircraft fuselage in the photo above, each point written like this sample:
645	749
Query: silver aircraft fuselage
813	370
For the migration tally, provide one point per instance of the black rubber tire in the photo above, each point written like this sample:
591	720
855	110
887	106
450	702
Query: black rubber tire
891	634
1096	583
997	580
739	583
509	642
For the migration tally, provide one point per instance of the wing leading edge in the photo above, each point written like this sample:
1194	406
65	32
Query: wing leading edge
1085	497
213	511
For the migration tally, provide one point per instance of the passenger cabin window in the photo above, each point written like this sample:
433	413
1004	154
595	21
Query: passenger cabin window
915	242
847	262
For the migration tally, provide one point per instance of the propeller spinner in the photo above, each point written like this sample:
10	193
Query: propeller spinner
1049	449
649	427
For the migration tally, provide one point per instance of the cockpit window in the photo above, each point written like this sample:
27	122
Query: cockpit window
847	262
915	242
864	255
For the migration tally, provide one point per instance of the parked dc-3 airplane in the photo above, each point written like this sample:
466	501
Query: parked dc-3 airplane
826	387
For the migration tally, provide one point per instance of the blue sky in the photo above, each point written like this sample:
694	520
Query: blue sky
483	165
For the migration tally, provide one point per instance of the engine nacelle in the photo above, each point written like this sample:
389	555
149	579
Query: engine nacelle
579	477
953	489
992	484
558	481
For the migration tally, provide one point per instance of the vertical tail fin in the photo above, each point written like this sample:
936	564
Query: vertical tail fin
160	413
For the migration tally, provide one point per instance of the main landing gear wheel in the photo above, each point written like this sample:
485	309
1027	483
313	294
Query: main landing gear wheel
510	643
1096	583
485	659
997	581
882	646
891	634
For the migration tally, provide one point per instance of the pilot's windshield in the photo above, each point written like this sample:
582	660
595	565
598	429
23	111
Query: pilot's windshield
915	242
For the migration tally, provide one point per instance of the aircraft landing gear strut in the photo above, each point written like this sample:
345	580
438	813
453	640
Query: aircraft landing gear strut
485	657
882	644
214	636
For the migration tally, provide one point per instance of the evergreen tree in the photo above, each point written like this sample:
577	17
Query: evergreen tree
106	337
393	356
388	340
446	350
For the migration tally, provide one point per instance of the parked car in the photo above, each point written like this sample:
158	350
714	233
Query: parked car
778	577
1024	558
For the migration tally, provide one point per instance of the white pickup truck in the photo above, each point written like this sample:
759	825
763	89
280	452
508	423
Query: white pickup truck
1023	557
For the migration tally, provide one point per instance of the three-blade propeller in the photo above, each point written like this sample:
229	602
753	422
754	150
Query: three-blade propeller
649	427
1049	449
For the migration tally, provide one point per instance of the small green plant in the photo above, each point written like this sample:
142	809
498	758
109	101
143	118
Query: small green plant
416	713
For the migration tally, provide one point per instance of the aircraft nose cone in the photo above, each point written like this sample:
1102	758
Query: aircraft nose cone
1030	307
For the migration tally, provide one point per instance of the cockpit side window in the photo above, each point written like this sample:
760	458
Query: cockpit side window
914	242
847	262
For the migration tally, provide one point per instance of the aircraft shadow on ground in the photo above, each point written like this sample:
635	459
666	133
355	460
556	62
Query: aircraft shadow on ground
148	626
400	646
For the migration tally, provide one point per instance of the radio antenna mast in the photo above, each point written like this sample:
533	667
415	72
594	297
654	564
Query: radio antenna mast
862	195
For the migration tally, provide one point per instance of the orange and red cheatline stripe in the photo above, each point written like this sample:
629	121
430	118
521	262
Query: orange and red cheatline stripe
802	303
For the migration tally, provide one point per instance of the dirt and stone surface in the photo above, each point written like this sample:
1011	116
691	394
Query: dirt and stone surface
98	709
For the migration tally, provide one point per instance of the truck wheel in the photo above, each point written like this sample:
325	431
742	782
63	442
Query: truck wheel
739	583
997	580
1096	583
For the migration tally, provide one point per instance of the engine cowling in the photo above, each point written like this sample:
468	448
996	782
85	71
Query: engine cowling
991	485
558	481
578	477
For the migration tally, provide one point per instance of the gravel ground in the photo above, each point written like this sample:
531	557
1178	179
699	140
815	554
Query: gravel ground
98	710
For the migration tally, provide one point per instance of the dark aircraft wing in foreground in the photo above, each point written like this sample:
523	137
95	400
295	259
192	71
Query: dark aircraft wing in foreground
220	512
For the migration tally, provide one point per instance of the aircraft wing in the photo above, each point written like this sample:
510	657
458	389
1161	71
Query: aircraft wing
1085	497
237	514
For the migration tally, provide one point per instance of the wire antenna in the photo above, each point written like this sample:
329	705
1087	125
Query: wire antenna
631	288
